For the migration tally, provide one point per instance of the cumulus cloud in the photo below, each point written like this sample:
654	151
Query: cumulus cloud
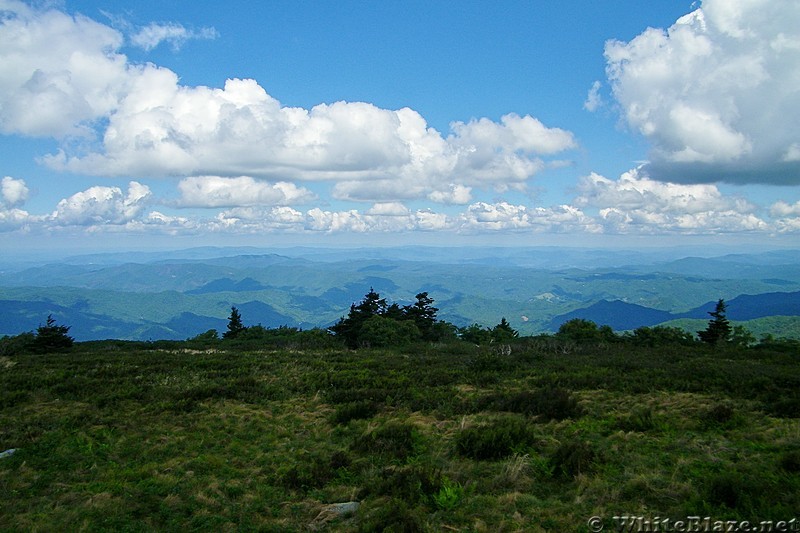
102	206
372	154
13	192
63	75
216	191
482	216
454	194
175	34
636	203
57	72
784	209
716	93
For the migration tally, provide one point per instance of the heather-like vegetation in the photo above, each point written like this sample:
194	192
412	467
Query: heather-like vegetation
266	429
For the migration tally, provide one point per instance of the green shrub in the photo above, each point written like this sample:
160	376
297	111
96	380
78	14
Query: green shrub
449	495
394	516
573	458
555	403
312	471
790	461
496	440
394	439
785	408
410	483
355	411
548	403
17	344
729	489
720	414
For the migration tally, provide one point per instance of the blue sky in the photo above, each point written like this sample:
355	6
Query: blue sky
182	123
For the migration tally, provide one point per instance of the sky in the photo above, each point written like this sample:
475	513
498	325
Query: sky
517	123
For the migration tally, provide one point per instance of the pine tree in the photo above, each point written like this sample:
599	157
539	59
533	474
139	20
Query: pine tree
235	326
423	314
52	338
349	329
719	328
503	332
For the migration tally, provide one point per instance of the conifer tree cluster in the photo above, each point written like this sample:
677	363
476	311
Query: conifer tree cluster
374	322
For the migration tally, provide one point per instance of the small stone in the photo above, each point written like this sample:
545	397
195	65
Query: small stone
7	453
332	512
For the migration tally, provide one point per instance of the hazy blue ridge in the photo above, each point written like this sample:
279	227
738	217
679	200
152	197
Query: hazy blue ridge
625	316
181	294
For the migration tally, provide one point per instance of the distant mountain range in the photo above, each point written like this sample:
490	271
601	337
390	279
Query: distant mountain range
176	295
621	315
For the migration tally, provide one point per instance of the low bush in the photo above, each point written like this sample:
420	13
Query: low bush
548	403
410	483
785	407
790	461
496	440
394	439
355	411
733	490
393	516
573	458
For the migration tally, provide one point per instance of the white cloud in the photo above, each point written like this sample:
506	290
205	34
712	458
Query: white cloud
98	206
13	192
173	33
784	209
216	191
454	194
57	72
482	216
593	98
391	209
635	203
633	191
373	154
716	92
63	75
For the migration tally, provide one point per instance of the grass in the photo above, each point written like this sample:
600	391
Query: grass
452	438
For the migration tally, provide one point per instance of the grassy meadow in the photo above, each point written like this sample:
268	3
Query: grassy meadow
533	435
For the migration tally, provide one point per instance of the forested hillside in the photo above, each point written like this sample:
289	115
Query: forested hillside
178	295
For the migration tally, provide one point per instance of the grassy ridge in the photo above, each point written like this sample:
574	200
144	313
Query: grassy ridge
536	435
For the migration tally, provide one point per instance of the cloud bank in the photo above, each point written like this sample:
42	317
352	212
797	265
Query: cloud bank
632	204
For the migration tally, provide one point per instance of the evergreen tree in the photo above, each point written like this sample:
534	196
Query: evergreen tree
235	326
52	338
719	328
503	332
475	334
423	314
348	329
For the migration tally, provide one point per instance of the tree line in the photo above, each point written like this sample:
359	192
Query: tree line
375	323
